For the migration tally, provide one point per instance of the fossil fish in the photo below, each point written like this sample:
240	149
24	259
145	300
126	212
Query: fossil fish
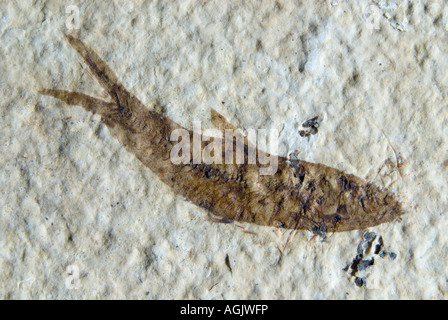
300	195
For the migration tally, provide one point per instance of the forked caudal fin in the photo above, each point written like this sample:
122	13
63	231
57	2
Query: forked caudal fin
106	77
89	103
123	102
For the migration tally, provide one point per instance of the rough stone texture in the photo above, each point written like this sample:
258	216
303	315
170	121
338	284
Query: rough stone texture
72	199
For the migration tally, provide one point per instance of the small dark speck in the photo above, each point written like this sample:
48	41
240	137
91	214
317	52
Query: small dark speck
313	122
147	292
320	230
445	163
392	255
278	6
359	281
227	261
377	249
369	236
222	102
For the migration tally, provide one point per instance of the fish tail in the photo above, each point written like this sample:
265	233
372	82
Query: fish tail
94	105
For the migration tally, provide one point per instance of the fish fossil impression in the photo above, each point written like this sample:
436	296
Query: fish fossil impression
299	195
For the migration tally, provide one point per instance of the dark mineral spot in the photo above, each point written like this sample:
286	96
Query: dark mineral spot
392	255
369	236
368	247
365	245
345	184
311	123
359	281
379	245
364	264
310	127
320	230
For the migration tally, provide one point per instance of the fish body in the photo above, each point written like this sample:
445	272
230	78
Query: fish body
299	195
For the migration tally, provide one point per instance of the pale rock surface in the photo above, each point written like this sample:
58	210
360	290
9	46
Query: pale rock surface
82	218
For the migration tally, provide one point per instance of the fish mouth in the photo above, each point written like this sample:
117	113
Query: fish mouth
369	206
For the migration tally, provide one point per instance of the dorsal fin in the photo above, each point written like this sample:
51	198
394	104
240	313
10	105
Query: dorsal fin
222	124
220	121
